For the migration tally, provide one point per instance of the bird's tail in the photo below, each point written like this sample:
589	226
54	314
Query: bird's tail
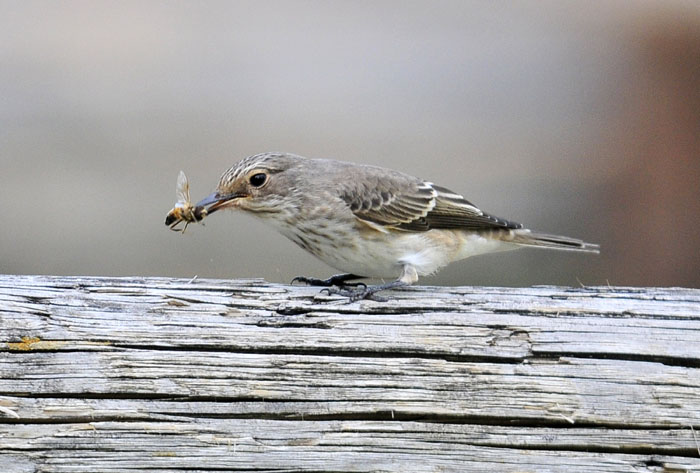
556	242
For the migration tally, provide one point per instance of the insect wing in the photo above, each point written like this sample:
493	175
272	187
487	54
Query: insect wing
183	189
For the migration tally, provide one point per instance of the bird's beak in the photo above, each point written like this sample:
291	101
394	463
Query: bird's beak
216	200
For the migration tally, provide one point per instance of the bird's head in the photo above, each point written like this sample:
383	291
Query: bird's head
260	183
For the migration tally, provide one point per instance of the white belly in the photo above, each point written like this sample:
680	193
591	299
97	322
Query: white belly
384	255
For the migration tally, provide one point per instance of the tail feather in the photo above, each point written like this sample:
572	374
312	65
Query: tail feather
556	242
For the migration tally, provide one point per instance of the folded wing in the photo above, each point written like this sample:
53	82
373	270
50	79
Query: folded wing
405	203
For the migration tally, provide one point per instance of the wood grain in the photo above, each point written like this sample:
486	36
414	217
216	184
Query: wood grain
140	374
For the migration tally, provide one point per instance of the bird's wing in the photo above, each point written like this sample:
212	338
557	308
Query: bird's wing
404	203
452	211
389	202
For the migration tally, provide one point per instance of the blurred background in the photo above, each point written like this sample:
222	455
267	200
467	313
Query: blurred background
577	118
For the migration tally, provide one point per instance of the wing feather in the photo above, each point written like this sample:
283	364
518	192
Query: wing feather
402	202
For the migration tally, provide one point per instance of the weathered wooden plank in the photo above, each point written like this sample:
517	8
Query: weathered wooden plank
189	419
245	445
115	374
567	390
453	322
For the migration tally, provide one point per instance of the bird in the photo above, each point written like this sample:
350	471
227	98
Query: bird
368	221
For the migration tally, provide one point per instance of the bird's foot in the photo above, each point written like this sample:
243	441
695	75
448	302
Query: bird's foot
336	280
362	291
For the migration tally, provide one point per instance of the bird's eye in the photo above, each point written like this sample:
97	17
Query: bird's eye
257	180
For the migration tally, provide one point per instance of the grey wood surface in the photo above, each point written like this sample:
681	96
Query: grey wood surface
156	374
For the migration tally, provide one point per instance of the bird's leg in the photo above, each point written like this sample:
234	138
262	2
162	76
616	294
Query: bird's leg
408	277
335	280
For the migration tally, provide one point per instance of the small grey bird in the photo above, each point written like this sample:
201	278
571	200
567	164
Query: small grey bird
368	221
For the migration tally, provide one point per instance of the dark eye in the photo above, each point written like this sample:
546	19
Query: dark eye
257	180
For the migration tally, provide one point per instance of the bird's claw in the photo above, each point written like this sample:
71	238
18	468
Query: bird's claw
356	292
339	285
345	290
336	280
307	281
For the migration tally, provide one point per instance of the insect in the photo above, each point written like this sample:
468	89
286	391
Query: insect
183	211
